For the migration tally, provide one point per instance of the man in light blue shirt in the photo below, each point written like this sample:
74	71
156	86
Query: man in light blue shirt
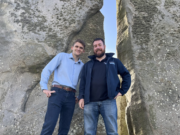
62	98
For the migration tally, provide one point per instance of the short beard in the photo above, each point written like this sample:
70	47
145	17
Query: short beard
100	55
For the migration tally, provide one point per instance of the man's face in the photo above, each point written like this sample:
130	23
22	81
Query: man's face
77	49
99	48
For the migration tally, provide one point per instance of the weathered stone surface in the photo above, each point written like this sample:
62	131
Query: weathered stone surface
148	45
91	30
31	33
121	105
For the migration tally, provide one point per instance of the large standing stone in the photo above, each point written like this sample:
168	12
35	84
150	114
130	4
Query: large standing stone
31	33
148	45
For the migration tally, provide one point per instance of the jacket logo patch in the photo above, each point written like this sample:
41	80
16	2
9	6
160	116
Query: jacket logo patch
112	63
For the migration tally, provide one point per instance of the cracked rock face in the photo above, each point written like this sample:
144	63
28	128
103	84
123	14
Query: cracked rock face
148	45
32	32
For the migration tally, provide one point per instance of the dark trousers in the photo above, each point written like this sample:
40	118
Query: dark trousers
62	102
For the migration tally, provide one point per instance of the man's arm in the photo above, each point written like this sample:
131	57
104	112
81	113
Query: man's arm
47	71
82	88
126	77
48	92
77	87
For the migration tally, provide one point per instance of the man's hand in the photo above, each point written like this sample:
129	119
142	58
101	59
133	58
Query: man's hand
81	103
119	94
48	92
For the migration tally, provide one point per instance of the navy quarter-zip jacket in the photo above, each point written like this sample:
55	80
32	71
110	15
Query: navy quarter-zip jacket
114	67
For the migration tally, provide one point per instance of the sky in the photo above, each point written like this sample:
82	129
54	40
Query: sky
110	25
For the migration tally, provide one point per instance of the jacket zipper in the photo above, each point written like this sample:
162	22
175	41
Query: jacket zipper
90	78
107	74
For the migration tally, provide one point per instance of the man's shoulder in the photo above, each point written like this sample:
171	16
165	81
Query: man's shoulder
81	62
63	53
87	64
115	59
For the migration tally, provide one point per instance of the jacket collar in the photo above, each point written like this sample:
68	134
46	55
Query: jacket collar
92	57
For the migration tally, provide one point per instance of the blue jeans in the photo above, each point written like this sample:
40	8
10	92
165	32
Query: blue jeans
107	109
62	102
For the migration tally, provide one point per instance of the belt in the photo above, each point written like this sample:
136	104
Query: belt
64	88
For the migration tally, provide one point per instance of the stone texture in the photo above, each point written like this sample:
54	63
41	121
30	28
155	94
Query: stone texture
31	33
91	30
121	105
148	45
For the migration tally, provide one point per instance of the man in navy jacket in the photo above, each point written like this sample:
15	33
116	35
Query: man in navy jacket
99	87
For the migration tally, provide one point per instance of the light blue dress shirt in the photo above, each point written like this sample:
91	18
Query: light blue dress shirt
66	71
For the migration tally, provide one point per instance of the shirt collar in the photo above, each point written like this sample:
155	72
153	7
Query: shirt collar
71	57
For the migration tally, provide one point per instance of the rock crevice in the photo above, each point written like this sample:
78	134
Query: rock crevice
147	44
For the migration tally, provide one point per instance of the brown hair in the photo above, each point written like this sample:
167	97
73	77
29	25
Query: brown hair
80	41
96	39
